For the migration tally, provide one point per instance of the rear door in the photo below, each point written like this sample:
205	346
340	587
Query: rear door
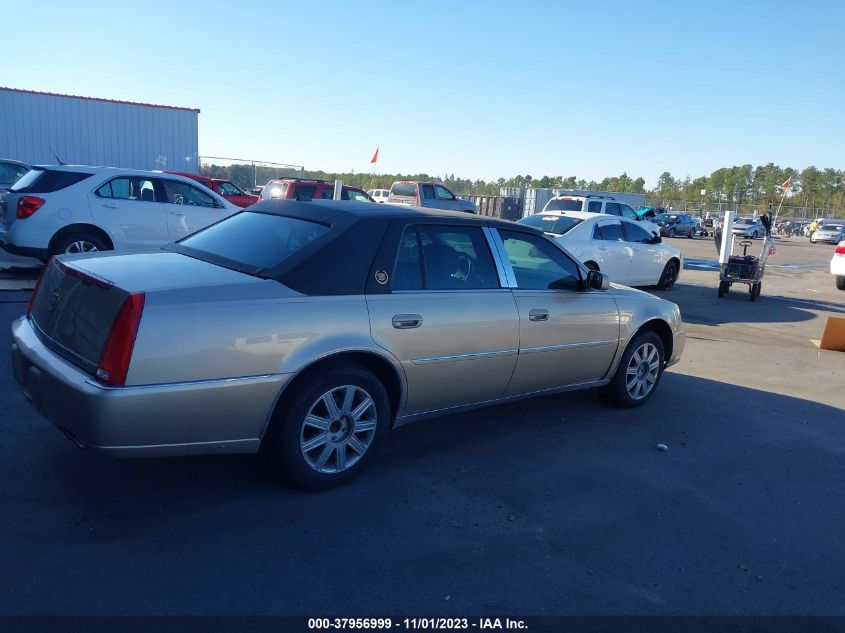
188	208
129	210
614	251
567	335
447	318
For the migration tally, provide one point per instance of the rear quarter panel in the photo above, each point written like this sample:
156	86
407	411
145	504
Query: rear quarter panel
218	333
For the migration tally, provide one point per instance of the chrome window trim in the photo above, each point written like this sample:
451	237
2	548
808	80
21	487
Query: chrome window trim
548	348
470	356
507	279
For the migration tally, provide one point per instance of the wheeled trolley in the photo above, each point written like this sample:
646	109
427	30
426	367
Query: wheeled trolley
745	269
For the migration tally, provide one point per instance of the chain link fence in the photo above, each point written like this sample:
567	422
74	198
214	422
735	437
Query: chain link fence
247	173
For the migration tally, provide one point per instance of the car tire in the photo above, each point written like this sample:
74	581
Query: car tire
691	234
724	288
79	242
669	276
638	373
313	445
671	232
840	282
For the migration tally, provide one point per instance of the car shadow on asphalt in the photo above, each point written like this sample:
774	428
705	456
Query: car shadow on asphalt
702	305
560	501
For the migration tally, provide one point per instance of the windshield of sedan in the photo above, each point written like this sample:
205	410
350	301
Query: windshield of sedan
557	224
253	241
744	221
831	227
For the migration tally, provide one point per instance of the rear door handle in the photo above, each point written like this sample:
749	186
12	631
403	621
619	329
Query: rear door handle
407	321
176	212
538	315
109	206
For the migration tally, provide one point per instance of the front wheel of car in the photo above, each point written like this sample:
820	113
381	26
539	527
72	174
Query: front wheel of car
671	232
691	234
670	274
840	282
329	428
638	373
79	242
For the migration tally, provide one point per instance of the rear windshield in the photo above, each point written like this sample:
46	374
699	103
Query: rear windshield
566	204
274	191
557	224
254	241
47	181
404	189
11	173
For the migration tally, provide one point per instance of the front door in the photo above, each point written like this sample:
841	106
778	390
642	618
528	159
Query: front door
129	212
447	319
567	335
188	208
647	258
613	251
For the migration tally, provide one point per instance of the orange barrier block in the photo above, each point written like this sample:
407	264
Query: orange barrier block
833	337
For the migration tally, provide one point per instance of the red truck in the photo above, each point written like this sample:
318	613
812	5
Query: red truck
225	188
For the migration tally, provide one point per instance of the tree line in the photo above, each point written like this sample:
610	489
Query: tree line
740	184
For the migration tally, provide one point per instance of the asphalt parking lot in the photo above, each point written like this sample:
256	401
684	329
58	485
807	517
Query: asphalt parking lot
560	505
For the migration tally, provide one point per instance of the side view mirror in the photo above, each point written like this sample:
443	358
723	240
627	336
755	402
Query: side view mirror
597	280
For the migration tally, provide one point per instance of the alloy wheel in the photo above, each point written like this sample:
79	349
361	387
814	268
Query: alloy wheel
642	371
338	429
81	246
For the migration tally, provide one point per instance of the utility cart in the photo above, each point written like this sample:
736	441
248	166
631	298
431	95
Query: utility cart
745	268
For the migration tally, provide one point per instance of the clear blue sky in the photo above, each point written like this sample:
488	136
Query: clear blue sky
478	89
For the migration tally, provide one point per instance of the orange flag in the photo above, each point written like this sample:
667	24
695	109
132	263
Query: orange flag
375	157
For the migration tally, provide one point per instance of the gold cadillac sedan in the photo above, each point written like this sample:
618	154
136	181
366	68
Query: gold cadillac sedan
307	330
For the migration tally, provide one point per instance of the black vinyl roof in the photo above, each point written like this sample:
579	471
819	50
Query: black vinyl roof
328	211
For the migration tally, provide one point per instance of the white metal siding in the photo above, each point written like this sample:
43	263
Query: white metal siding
36	128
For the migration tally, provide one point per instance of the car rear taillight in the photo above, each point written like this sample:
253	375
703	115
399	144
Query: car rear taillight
27	205
117	352
37	286
840	250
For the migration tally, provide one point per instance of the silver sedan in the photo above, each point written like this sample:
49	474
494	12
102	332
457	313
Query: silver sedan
309	329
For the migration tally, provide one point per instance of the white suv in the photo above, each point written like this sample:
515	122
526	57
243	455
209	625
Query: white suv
77	209
598	204
379	195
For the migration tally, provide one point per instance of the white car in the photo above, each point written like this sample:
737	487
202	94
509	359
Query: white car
379	195
837	265
599	204
831	232
76	209
623	249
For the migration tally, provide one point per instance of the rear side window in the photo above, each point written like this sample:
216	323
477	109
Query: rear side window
228	189
612	208
444	258
255	240
566	204
595	206
305	192
10	173
47	181
140	189
404	189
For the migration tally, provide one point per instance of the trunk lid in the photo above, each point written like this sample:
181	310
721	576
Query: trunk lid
78	299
